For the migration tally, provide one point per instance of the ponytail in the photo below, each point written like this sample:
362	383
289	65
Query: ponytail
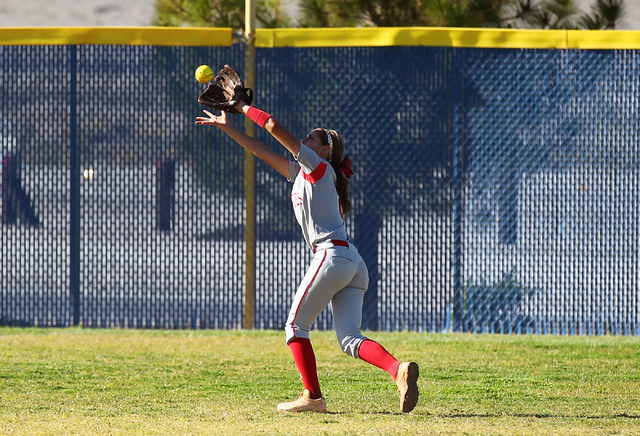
341	165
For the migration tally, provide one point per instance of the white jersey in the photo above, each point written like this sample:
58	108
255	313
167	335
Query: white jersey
315	199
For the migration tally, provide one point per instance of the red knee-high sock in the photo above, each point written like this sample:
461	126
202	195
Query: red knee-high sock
305	360
375	354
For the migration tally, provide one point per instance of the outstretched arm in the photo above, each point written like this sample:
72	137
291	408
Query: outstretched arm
260	150
274	127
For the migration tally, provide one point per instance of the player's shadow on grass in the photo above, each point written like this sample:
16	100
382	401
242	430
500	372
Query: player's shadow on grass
377	412
535	415
485	415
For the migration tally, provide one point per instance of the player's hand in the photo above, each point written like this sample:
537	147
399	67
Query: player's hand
215	120
239	105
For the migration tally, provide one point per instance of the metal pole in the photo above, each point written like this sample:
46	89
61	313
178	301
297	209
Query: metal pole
249	173
74	195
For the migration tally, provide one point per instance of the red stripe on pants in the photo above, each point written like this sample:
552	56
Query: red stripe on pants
293	321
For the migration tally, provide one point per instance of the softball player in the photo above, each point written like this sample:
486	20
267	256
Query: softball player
337	274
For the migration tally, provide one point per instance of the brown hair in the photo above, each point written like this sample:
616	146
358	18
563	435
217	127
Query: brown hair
342	184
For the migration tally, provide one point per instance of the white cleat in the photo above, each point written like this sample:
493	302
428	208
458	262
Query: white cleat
407	381
304	404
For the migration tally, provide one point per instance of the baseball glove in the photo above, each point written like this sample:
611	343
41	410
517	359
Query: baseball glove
225	91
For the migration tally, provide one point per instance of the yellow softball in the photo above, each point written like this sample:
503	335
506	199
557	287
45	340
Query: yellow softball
204	74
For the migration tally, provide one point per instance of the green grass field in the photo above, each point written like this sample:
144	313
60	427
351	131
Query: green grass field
78	381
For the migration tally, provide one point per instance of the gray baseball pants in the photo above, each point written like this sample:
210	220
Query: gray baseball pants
338	276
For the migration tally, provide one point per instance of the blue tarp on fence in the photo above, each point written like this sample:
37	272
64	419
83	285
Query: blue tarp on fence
495	190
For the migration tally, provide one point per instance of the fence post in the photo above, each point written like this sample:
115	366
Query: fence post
9	177
457	267
165	193
459	175
74	194
249	173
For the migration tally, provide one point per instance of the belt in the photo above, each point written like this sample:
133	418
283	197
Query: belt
337	242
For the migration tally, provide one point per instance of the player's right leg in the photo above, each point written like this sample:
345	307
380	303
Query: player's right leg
347	318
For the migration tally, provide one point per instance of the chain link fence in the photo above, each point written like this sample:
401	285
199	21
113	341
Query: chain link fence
495	190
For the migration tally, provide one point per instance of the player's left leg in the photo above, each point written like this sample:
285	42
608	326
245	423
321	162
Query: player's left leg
323	278
305	359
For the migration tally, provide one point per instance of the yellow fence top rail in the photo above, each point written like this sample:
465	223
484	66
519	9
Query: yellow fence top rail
603	39
449	37
425	36
328	37
176	36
